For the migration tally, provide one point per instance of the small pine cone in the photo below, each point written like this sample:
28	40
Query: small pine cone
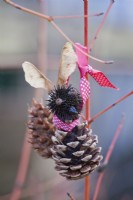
75	153
40	129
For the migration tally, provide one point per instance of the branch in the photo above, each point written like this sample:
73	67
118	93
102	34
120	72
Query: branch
46	17
100	26
77	16
51	20
108	155
87	104
109	107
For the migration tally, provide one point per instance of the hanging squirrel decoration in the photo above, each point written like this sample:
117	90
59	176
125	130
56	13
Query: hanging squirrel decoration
63	137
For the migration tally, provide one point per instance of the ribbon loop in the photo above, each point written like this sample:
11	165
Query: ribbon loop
64	126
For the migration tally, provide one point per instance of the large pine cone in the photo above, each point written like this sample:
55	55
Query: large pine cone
40	129
75	153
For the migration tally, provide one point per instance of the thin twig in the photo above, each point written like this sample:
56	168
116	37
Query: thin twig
69	195
100	26
51	20
46	17
109	107
77	16
96	14
108	155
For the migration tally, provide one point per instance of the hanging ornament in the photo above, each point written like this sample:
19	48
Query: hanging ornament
56	130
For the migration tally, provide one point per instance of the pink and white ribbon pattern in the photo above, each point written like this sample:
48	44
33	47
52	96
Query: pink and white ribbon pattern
84	68
64	126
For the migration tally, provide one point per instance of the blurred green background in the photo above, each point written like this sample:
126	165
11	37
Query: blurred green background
24	37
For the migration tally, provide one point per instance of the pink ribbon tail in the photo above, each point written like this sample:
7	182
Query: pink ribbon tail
82	62
100	78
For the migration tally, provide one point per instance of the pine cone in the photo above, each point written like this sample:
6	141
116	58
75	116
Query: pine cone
75	153
40	129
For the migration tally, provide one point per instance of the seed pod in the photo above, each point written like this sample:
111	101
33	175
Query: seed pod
65	102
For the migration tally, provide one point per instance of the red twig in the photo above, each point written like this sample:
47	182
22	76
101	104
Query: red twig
108	155
87	109
101	25
22	170
51	20
109	107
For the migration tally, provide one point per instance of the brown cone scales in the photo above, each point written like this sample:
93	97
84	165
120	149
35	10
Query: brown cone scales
75	153
40	129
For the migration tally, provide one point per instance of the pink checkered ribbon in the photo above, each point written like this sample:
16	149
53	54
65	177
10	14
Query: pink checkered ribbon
64	126
99	77
84	89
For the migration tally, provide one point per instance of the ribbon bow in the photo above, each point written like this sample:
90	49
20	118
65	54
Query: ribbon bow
84	68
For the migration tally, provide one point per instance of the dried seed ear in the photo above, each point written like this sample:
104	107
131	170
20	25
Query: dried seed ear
67	63
35	78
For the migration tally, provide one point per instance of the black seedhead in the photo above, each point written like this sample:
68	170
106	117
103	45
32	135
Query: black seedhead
65	102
